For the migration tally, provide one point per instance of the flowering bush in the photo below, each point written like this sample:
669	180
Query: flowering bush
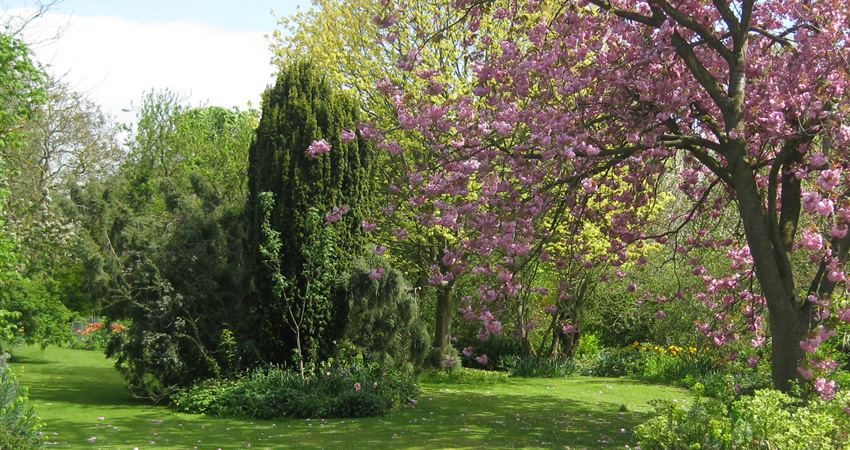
96	335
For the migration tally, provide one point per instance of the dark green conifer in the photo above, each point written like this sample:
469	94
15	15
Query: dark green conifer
300	109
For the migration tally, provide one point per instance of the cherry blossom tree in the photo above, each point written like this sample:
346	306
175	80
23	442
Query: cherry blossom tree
589	107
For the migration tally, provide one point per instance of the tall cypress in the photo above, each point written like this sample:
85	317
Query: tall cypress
300	109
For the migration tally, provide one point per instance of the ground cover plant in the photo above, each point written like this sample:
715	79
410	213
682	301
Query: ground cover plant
80	396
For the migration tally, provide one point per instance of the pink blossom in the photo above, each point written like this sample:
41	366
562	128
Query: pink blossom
336	214
838	231
660	314
753	360
835	275
368	226
826	389
551	309
806	373
317	148
377	274
825	207
828	179
380	250
817	160
468	351
812	240
529	325
844	314
589	185
482	359
347	136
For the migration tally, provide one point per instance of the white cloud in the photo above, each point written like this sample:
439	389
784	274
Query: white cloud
115	60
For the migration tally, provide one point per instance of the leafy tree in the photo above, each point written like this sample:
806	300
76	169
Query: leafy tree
21	89
745	102
162	244
307	157
351	42
29	304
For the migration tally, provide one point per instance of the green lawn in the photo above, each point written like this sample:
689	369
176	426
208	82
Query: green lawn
79	396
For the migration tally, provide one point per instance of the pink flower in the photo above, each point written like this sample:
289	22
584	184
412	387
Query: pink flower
828	179
826	389
468	351
812	240
482	359
357	386
825	207
347	136
317	148
551	309
92	439
844	314
753	361
380	250
368	226
660	314
377	274
336	214
806	373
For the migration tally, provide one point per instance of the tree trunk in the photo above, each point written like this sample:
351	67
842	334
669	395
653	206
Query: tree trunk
788	315
443	332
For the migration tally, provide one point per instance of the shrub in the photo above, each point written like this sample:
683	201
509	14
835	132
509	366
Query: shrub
611	363
673	426
332	390
498	349
384	320
542	367
94	335
18	424
464	375
766	419
771	419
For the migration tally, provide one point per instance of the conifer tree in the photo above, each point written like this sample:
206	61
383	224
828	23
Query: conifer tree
307	155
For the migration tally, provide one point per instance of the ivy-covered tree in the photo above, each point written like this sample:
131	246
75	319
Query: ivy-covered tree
307	155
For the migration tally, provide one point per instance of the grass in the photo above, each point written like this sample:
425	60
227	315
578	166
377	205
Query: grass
74	389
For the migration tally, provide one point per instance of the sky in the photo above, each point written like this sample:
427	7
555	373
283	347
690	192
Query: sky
211	52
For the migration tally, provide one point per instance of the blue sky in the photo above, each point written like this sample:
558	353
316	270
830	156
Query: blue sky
212	52
234	15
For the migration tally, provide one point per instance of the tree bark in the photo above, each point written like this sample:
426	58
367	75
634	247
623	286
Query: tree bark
788	315
443	332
